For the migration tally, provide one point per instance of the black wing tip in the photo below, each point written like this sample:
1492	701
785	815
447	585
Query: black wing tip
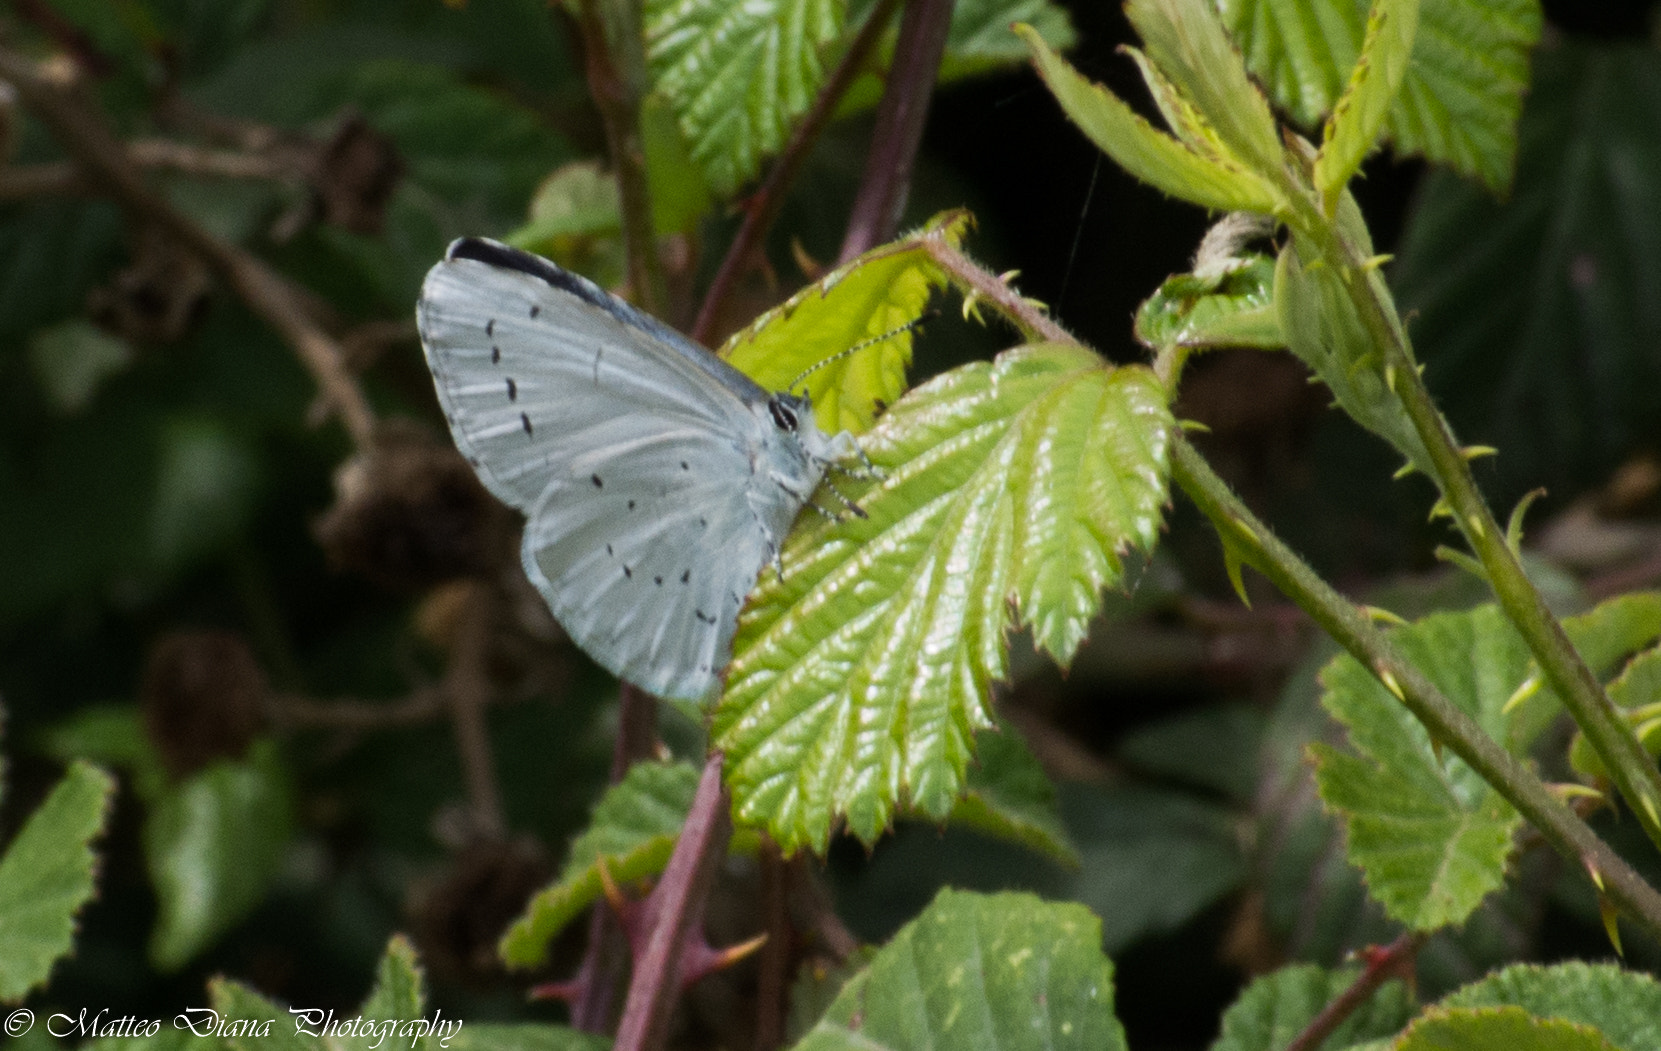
506	257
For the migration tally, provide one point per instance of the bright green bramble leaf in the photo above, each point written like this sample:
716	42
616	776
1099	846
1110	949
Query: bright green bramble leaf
212	844
863	301
1009	796
738	75
1497	1029
1002	971
398	991
1623	1005
859	680
1276	1007
1185	40
1149	154
247	1020
1431	836
634	828
980	40
1463	87
1358	116
46	876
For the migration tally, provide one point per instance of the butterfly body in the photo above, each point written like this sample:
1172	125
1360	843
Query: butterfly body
656	479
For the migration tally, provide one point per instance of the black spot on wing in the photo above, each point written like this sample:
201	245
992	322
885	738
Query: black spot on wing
686	577
535	310
495	355
598	483
525	421
513	390
490	327
705	617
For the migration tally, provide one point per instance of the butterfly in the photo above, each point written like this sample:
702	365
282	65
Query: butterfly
657	480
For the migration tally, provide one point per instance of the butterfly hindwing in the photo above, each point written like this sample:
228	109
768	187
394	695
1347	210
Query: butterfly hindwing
648	570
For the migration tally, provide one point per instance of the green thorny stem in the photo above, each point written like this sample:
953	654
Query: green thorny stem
1630	766
1352	628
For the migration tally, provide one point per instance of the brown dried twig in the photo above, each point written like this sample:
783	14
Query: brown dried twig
101	157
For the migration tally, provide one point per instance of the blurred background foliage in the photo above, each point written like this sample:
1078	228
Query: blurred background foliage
187	579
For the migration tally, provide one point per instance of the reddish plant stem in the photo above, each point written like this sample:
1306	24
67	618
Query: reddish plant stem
678	904
899	131
1393	961
614	61
763	206
774	960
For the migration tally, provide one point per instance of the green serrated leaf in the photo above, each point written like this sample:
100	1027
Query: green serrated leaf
1276	1007
1142	150
1000	971
1614	629
1009	796
1551	289
859	680
46	876
634	828
1430	835
1623	1005
979	39
738	75
1497	1029
1360	112
577	200
247	1021
398	992
1321	326
212	844
1235	309
1463	88
1186	41
864	301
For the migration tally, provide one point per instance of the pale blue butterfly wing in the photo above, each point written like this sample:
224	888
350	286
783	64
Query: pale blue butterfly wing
657	480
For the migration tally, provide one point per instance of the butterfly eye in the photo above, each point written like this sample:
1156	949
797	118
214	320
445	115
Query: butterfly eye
783	416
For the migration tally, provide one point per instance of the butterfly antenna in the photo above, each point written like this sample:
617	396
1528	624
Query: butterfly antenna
914	323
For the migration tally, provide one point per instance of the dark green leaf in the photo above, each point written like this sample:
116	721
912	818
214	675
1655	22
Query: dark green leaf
1464	85
1004	971
1432	837
212	844
1276	1007
1009	796
1150	860
1536	317
1625	1006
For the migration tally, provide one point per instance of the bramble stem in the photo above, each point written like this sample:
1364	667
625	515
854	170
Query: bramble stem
1630	767
1349	625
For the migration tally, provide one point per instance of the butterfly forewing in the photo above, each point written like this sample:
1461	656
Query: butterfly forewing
657	480
516	357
